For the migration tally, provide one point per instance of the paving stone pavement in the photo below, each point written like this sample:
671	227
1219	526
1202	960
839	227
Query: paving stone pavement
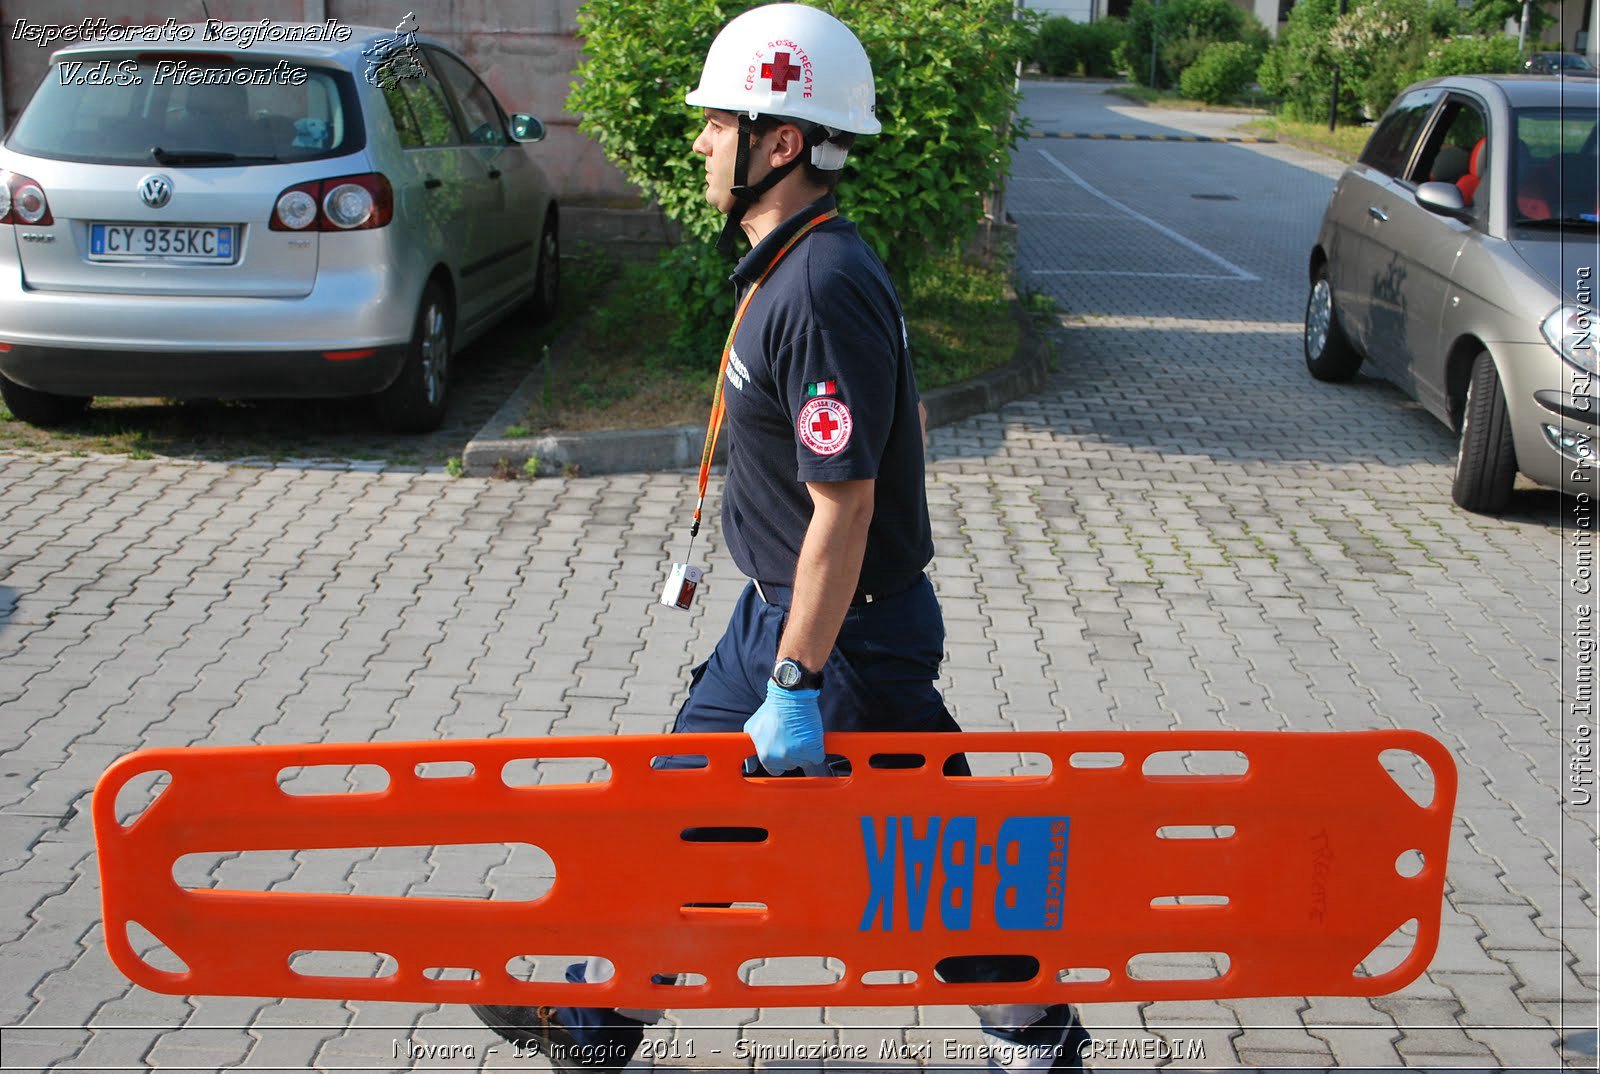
1183	531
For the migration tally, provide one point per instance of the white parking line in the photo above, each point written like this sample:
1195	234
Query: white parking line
1238	273
1152	275
1075	216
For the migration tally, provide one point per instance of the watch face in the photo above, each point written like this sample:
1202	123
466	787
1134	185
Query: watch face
787	673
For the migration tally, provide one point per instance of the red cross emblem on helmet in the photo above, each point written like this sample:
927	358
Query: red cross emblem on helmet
780	72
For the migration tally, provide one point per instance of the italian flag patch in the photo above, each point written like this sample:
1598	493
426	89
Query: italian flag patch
821	387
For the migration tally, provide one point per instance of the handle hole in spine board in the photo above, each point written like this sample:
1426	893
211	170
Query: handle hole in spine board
1411	773
1196	831
680	762
375	965
724	835
1388	955
1190	765
1186	901
738	912
1093	759
524	772
152	951
900	762
781	970
1083	975
333	779
995	969
445	769
1013	767
551	968
1410	863
450	973
520	872
888	978
135	797
1178	966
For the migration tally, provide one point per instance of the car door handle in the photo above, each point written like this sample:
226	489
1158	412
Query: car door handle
433	184
1377	213
494	173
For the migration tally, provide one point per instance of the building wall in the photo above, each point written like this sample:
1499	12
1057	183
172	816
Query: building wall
526	51
1076	10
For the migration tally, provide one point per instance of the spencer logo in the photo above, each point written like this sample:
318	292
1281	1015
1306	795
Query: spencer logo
906	866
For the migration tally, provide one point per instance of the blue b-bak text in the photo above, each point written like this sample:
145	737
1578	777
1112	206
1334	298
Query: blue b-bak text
903	854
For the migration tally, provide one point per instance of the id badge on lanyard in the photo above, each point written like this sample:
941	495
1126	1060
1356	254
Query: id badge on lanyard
683	579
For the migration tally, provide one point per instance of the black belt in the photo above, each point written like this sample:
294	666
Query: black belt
781	595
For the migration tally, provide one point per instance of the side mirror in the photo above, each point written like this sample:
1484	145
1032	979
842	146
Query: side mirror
526	128
1444	199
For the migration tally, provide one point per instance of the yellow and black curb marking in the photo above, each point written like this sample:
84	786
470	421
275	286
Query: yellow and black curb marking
1153	137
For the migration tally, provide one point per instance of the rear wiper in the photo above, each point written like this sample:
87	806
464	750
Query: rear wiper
1558	221
204	156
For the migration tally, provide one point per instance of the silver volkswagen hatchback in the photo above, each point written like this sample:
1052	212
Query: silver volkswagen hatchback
1458	258
295	218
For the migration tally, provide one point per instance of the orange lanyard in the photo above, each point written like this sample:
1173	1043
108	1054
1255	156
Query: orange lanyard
719	408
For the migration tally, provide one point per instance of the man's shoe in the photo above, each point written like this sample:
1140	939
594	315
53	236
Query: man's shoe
538	1031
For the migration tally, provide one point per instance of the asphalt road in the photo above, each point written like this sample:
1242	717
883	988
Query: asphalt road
1183	531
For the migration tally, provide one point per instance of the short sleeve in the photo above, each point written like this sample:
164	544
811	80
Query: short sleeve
839	392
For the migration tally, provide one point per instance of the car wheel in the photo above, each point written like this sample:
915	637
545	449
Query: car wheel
547	283
1486	460
415	402
1330	356
40	408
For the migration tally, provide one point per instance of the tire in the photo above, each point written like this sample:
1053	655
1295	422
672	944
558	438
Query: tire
41	408
1330	356
547	280
416	401
1486	459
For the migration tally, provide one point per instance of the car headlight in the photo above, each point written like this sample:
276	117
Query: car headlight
1570	330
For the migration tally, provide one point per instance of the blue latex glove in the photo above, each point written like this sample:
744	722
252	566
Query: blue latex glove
787	730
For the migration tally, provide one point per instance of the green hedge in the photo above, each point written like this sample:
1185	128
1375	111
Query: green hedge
1222	72
1066	47
1472	56
1179	31
946	81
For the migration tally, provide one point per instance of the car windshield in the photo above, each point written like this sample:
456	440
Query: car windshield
1554	173
184	110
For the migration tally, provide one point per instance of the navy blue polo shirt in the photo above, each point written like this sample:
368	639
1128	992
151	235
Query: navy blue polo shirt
820	388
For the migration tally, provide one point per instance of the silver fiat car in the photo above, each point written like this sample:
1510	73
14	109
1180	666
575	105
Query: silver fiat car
186	217
1458	258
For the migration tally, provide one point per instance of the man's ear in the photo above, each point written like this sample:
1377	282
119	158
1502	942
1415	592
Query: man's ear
787	143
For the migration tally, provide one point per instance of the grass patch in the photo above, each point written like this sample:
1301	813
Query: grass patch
1133	91
1342	143
610	372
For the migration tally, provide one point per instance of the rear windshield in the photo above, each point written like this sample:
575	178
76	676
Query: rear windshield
120	110
1554	172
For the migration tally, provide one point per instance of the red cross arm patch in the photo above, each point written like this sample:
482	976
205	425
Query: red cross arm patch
824	425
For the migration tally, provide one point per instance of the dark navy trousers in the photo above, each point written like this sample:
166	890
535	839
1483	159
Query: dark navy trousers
880	677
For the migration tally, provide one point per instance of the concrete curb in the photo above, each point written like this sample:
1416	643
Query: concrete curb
491	452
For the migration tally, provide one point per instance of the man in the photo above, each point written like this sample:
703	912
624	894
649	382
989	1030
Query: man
824	504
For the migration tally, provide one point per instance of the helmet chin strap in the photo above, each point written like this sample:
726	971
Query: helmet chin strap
746	194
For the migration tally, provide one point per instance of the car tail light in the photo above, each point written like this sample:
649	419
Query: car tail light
347	203
22	201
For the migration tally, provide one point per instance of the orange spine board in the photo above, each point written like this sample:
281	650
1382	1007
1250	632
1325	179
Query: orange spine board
885	869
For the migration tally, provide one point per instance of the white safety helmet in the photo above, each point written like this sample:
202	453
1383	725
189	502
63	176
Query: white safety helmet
793	61
790	62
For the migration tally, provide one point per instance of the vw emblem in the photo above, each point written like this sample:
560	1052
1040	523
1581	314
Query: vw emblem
156	190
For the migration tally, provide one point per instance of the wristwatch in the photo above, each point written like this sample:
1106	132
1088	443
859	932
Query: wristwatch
793	675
